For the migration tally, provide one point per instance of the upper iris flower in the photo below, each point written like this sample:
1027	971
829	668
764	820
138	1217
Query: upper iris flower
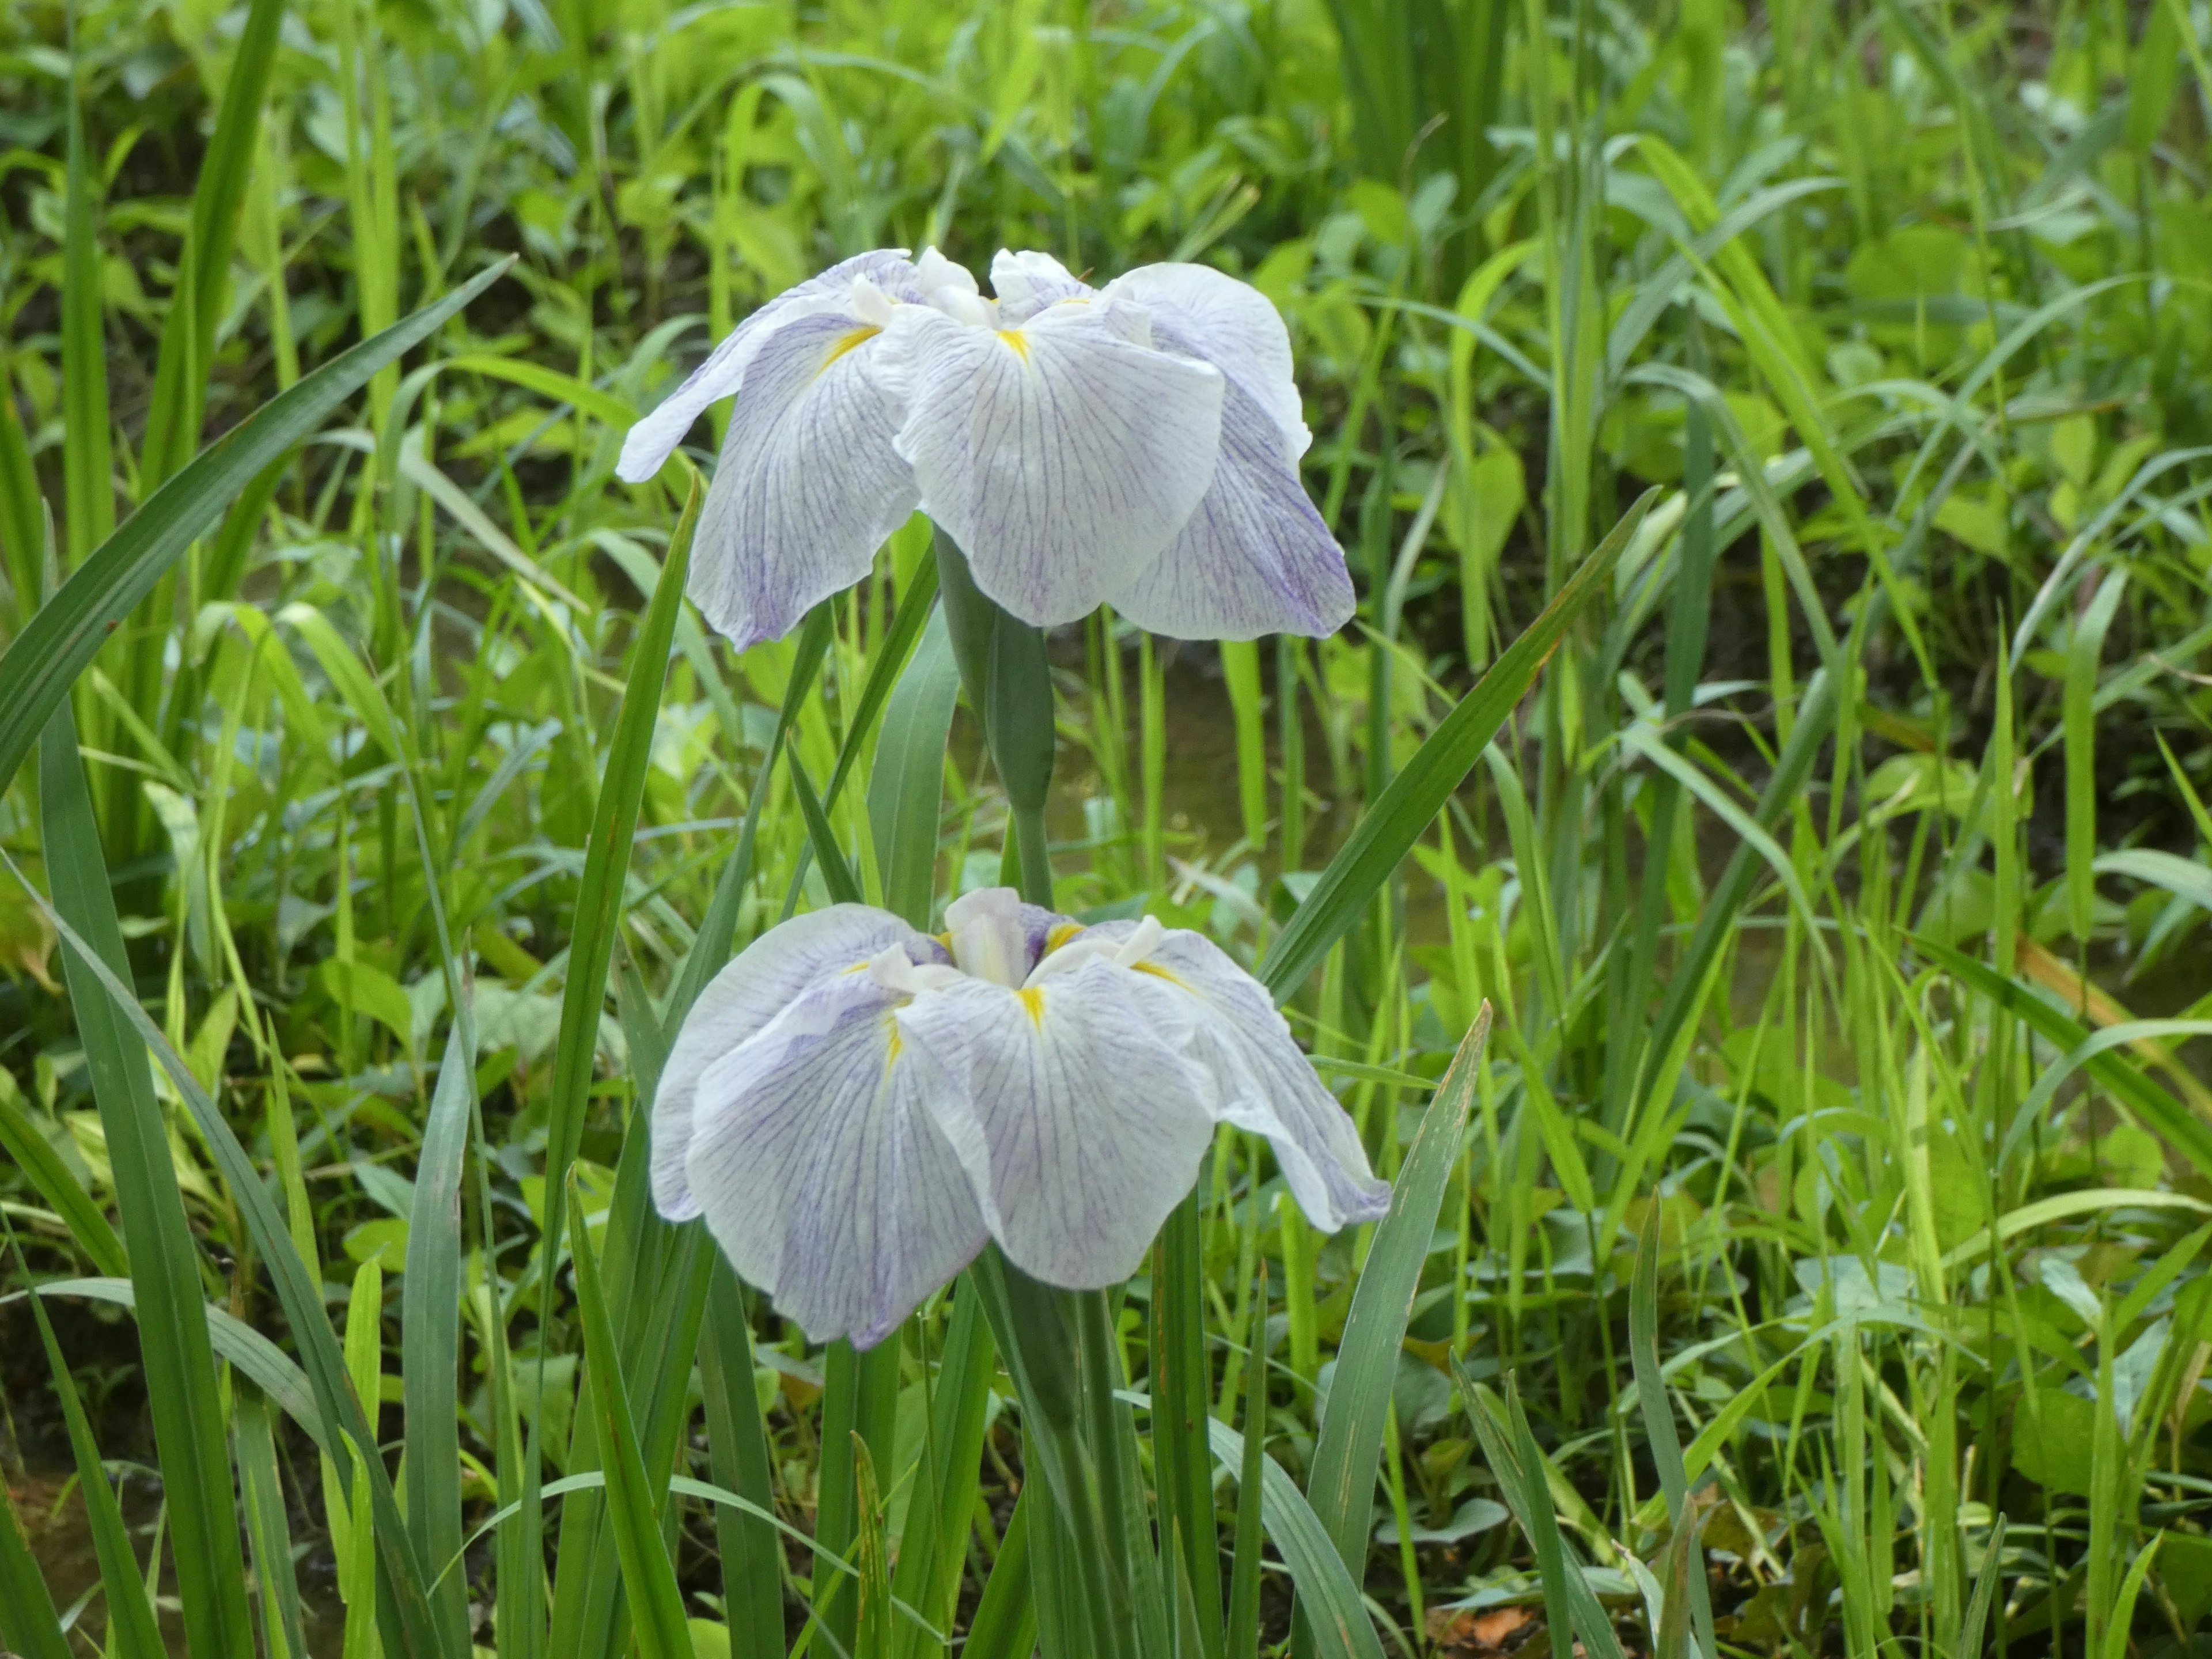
1136	443
854	1106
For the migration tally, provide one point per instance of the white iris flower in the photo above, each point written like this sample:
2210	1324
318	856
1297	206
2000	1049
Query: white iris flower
1137	444
855	1107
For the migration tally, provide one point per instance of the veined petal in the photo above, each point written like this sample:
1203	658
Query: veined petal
1256	557
1063	455
821	1171
1027	283
809	486
1228	323
769	974
1266	1085
654	439
1073	1109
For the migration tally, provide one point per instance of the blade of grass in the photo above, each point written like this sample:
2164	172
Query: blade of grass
28	1623
1333	1609
738	1448
203	290
1659	1433
54	1181
182	1392
1242	1639
656	1603
268	1529
1004	1625
88	454
2182	1129
429	1329
132	1632
1404	809
598	918
948	1476
58	643
1182	1395
1348	1445
404	1612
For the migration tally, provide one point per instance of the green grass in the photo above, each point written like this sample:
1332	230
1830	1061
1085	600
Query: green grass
1814	1261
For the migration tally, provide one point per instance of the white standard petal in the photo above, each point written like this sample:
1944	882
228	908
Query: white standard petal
1231	325
1063	456
1071	1104
654	439
1027	283
767	976
821	1171
1256	557
809	485
1265	1083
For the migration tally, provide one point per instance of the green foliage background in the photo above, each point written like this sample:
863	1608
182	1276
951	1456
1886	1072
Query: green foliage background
1839	888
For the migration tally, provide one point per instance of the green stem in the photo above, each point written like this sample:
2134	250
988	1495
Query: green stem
1035	853
1068	1408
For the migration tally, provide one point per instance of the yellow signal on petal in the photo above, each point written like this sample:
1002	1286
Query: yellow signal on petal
1014	338
1033	999
846	342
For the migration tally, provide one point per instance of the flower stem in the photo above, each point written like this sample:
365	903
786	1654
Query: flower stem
1058	1344
1009	683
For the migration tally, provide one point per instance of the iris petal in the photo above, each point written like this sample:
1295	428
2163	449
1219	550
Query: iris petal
654	439
1256	557
1027	283
821	1171
1232	325
1266	1085
739	1002
1063	455
1074	1110
809	485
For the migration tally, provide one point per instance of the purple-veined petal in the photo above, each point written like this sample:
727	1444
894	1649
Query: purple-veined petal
654	439
1027	283
1063	456
1231	324
1265	1083
821	1171
1072	1108
809	485
769	974
1254	558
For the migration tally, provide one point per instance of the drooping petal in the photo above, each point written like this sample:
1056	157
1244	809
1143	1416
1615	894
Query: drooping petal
809	485
1063	456
821	1171
1074	1110
1256	557
1231	324
1266	1085
769	974
1027	283
654	439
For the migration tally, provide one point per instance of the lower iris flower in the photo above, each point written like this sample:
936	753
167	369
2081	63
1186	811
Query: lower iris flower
855	1107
